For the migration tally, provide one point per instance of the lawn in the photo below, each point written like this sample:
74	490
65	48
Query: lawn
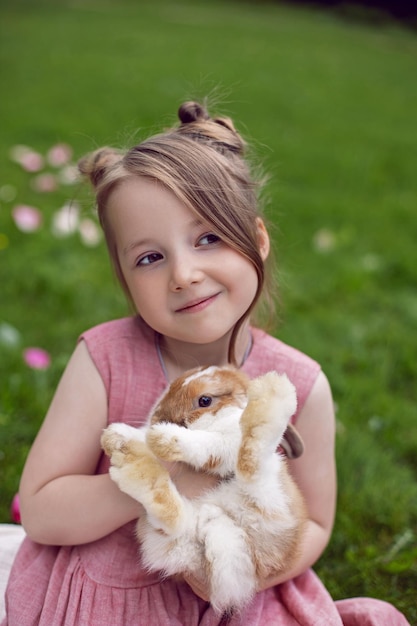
330	108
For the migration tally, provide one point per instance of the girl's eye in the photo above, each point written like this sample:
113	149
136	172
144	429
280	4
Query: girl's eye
204	401
208	239
148	259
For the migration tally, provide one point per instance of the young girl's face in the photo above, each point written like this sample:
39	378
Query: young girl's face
184	281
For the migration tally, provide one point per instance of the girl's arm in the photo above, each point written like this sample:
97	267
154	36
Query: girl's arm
62	501
315	474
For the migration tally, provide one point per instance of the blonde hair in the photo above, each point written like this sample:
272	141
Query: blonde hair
203	162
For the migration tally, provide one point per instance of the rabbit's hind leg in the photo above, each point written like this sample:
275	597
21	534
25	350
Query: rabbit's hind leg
228	563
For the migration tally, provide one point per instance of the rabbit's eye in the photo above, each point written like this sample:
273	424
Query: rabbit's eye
204	401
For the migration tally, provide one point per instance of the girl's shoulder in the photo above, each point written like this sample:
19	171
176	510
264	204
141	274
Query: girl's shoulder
125	355
117	330
125	345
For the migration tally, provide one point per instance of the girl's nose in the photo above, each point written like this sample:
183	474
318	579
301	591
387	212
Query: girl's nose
184	272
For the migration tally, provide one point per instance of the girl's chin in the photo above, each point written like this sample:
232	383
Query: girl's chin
205	338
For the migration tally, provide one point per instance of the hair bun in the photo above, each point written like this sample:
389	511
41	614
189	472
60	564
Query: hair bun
226	122
95	164
192	112
219	132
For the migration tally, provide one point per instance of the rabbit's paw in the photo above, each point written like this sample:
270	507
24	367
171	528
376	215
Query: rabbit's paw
120	441
271	403
124	475
133	467
164	439
273	388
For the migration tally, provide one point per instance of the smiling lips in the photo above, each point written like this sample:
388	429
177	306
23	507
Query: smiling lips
197	305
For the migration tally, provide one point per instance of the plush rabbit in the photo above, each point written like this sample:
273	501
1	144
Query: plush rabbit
247	527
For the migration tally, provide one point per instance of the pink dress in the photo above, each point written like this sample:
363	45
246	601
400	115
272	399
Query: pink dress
102	583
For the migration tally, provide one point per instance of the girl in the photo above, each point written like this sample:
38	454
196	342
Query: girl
180	216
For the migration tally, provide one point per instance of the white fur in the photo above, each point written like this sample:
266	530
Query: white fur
213	435
198	374
249	516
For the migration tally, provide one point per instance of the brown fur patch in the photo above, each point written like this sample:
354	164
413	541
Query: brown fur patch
212	463
141	466
248	459
163	449
165	499
180	404
251	421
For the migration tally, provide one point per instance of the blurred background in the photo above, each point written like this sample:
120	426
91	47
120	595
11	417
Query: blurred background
326	94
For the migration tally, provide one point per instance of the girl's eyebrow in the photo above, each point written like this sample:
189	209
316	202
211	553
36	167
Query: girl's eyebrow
136	244
194	223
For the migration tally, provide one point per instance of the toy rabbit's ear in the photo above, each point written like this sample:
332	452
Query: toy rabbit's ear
292	444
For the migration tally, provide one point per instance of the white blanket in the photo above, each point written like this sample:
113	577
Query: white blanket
11	536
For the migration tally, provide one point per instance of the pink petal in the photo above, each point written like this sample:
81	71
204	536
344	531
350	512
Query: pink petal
15	509
59	154
65	221
26	218
36	358
30	160
69	175
89	232
44	183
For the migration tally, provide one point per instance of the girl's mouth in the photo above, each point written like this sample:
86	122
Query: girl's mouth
197	305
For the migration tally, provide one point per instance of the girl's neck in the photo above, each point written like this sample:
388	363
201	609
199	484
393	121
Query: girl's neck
177	356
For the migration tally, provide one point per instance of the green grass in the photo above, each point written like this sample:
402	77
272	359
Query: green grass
331	109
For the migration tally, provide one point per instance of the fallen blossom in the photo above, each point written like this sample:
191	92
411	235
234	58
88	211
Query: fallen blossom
376	423
44	183
68	175
65	221
15	509
371	262
27	218
59	155
324	240
17	152
36	358
89	232
9	335
29	159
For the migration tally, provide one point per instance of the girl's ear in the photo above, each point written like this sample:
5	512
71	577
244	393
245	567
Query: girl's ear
263	239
